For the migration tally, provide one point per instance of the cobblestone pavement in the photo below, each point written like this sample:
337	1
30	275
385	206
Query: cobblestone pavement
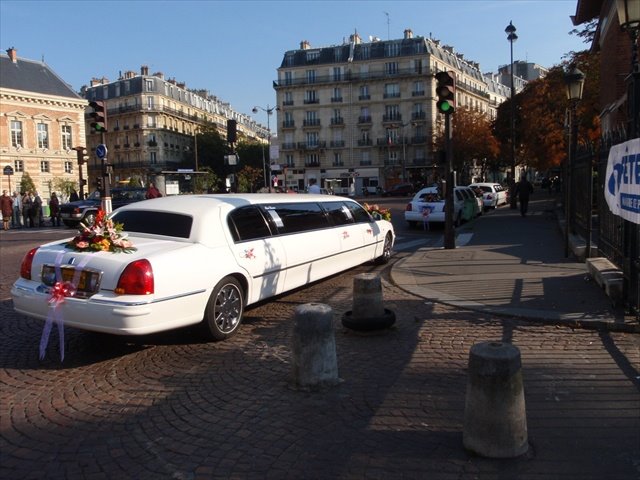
173	406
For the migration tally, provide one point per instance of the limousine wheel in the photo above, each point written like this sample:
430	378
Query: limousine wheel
386	251
224	309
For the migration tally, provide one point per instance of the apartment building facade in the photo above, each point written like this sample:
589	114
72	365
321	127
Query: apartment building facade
41	122
362	115
152	123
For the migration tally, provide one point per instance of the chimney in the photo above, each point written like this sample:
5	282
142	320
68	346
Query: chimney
160	75
305	45
144	70
408	33
13	54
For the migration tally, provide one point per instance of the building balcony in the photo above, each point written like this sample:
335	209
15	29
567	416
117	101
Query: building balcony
365	119
417	93
126	127
418	139
288	146
338	163
311	164
364	97
311	145
337	121
365	142
152	143
311	122
309	101
337	144
391	95
395	117
127	145
418	115
336	99
289	124
419	161
287	103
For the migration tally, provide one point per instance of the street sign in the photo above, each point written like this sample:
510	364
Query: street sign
101	151
8	170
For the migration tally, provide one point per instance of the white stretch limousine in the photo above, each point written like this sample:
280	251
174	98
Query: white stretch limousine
174	261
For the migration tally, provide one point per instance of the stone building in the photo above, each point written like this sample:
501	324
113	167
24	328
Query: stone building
152	122
362	115
41	122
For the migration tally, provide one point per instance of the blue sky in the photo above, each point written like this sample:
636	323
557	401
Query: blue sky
233	48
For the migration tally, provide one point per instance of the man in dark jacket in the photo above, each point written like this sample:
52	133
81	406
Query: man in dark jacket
524	189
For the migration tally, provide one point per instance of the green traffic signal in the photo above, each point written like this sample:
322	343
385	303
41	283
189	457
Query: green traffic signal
446	92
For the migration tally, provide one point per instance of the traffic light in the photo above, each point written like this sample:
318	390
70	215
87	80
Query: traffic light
82	155
446	92
231	131
98	183
99	115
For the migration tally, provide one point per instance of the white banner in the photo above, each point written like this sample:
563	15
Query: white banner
622	182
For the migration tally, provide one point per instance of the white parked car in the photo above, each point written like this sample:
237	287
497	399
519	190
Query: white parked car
493	195
429	206
197	259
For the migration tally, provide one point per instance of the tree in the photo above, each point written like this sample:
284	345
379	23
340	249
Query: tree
27	184
249	179
64	186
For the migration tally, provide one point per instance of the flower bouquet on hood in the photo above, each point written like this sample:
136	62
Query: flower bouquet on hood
378	212
103	236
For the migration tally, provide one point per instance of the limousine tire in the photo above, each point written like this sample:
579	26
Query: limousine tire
386	251
223	314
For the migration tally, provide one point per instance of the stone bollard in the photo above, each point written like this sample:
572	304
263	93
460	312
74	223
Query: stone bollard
368	310
314	363
495	420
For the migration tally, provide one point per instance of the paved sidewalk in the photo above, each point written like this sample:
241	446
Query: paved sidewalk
511	265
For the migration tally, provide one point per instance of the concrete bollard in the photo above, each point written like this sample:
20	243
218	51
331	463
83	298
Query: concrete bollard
368	310
495	420
314	363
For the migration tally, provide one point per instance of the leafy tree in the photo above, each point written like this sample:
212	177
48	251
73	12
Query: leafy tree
26	183
249	179
207	182
64	186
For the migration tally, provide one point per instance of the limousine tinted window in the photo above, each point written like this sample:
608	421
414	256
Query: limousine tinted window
338	213
157	223
247	223
359	213
297	217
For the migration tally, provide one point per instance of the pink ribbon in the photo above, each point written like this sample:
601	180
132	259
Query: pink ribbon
58	293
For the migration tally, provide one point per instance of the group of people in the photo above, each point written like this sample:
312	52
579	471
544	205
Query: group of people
25	210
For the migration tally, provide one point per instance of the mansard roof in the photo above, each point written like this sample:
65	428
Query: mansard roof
34	77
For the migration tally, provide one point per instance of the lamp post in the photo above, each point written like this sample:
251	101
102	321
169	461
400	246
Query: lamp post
268	110
512	37
574	81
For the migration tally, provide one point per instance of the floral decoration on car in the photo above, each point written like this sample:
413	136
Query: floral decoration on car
103	236
378	212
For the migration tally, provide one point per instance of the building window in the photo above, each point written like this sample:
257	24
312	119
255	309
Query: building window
337	159
391	68
337	74
68	167
310	97
153	159
418	88
364	93
44	166
312	139
18	165
67	140
150	103
311	76
288	98
392	90
43	135
417	66
365	52
313	55
337	95
365	158
312	160
288	78
16	133
391	49
289	160
149	85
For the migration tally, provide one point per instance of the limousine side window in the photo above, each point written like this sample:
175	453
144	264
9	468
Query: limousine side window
247	223
359	213
338	212
156	223
297	217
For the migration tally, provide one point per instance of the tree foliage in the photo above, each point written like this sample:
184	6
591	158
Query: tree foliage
26	183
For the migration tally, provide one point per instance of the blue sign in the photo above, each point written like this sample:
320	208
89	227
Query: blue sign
101	151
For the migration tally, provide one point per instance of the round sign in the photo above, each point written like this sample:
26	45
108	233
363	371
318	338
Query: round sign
8	170
101	151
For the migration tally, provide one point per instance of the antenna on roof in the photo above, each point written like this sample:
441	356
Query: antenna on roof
388	23
43	58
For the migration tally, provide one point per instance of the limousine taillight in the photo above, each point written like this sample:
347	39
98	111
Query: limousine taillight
136	279
27	262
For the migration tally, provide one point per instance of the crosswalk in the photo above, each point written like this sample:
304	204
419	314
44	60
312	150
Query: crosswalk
410	242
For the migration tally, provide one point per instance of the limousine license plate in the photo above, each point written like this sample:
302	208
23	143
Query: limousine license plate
88	280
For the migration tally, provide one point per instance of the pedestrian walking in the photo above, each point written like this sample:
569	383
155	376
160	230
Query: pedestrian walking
16	221
54	210
523	190
313	186
27	215
6	206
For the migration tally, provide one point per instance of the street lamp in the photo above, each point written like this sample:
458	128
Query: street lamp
268	110
512	37
574	81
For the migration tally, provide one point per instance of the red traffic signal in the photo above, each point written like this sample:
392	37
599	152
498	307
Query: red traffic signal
446	92
82	155
99	115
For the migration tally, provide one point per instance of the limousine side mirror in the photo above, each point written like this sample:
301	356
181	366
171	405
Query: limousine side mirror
376	216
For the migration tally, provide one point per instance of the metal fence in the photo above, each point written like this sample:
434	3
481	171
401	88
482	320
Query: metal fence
616	239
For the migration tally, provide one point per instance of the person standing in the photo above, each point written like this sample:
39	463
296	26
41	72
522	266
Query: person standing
6	206
524	189
27	215
54	210
313	186
37	210
153	192
17	211
74	197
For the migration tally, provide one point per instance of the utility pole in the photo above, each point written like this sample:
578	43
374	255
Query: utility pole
449	231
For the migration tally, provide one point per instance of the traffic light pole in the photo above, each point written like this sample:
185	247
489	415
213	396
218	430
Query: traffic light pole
105	195
449	232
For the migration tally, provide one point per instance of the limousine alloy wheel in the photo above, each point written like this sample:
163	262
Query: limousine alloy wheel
386	250
224	310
